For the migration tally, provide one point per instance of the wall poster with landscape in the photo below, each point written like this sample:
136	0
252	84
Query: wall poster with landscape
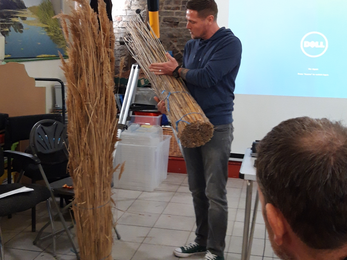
29	29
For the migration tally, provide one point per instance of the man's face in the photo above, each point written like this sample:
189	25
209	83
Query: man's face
281	251
197	26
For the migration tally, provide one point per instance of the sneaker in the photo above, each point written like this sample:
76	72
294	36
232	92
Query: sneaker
210	256
189	250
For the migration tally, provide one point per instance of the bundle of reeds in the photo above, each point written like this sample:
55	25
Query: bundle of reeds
193	127
92	125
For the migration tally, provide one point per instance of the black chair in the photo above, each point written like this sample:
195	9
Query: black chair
22	201
18	129
48	143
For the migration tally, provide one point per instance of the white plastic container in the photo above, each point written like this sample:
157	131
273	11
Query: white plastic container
145	165
142	135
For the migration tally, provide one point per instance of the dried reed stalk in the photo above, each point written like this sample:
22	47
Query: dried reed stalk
92	125
193	127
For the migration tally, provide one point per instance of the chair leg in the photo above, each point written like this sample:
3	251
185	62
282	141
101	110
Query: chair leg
52	225
2	251
33	219
65	227
117	234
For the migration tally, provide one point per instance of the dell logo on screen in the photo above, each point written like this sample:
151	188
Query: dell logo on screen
314	44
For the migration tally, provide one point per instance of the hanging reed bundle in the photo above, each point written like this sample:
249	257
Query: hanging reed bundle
193	127
92	126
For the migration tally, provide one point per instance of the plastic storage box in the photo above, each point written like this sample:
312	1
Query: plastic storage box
145	120
145	165
145	135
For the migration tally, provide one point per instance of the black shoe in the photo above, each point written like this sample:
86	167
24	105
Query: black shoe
189	250
210	256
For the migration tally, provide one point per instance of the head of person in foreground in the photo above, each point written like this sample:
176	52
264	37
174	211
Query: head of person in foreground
302	184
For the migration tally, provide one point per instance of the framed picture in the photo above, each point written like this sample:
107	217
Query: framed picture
30	30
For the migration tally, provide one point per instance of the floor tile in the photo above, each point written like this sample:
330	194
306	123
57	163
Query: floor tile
132	233
184	188
154	252
167	186
123	250
16	254
138	219
146	206
235	245
24	240
165	196
175	178
179	209
183	197
175	222
166	237
231	256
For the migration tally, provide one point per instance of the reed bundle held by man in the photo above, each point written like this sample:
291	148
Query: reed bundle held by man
92	126
193	127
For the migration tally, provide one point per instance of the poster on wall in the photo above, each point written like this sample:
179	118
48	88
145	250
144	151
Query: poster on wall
29	29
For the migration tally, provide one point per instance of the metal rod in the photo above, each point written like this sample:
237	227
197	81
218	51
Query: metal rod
62	93
250	240
247	219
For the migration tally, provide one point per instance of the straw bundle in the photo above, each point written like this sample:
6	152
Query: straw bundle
193	127
92	125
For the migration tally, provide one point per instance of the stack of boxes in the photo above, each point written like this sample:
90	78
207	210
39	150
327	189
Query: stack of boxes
145	151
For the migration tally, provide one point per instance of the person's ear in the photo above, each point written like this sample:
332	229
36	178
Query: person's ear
210	18
276	222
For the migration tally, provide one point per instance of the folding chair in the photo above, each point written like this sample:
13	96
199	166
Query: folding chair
18	129
21	201
48	143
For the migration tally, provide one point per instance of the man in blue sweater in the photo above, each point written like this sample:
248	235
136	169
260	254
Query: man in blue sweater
210	64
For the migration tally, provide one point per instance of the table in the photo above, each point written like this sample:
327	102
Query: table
248	173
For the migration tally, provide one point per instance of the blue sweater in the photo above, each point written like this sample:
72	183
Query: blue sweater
213	65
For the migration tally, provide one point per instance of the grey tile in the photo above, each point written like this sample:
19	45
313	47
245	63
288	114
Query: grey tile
120	194
179	209
123	205
175	222
154	252
139	219
231	214
184	188
122	250
146	206
132	233
157	196
167	237
15	254
24	240
175	178
232	256
238	229
167	186
183	197
235	245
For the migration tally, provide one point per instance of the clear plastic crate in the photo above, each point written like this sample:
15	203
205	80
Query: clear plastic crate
145	165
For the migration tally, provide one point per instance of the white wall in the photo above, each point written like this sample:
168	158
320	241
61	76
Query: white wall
256	115
45	69
223	13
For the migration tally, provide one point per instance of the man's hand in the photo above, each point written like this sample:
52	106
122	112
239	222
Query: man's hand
165	68
161	105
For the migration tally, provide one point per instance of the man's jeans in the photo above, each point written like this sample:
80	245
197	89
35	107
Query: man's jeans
207	168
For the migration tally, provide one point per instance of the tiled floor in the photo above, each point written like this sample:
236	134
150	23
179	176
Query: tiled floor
151	225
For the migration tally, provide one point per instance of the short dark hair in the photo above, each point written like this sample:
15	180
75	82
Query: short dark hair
203	7
302	170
